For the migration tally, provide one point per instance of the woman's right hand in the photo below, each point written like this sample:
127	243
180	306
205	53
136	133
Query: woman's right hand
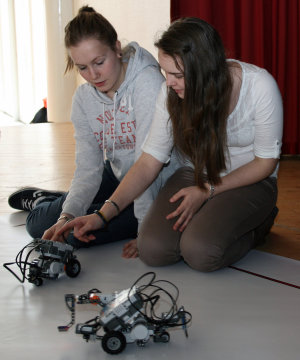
82	226
52	232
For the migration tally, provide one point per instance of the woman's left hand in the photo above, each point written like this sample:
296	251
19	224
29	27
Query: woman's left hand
193	199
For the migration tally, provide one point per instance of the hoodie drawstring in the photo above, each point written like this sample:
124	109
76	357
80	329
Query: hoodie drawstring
103	131
115	115
123	102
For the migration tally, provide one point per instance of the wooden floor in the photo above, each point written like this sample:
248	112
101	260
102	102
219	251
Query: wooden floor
42	155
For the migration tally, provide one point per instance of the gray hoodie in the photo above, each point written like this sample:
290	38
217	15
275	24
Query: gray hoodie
115	130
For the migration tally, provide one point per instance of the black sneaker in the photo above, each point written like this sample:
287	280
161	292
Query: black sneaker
28	197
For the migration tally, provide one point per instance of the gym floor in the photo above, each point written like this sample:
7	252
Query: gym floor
236	315
42	155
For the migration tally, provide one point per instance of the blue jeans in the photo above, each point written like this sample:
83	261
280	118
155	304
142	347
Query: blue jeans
122	227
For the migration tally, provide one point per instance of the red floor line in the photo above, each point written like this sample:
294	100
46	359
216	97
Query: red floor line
265	277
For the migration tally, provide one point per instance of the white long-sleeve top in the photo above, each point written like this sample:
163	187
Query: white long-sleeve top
254	128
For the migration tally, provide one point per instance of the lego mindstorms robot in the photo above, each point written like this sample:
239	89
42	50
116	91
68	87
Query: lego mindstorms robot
129	316
54	258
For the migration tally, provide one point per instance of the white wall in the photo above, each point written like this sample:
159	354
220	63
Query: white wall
60	87
134	20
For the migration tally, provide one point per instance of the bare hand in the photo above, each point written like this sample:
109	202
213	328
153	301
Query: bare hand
130	250
82	226
193	199
52	232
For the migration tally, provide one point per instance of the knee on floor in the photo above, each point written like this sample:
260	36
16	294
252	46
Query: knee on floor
154	253
204	257
34	232
34	226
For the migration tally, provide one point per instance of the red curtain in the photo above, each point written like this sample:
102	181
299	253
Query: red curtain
262	32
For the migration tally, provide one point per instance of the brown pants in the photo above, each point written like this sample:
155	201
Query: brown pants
219	234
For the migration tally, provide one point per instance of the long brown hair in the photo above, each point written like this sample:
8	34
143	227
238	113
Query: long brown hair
199	119
86	25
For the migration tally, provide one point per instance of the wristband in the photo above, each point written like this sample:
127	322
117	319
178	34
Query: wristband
102	217
114	204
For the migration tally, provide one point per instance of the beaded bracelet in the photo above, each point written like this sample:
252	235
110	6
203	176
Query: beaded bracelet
102	217
114	204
